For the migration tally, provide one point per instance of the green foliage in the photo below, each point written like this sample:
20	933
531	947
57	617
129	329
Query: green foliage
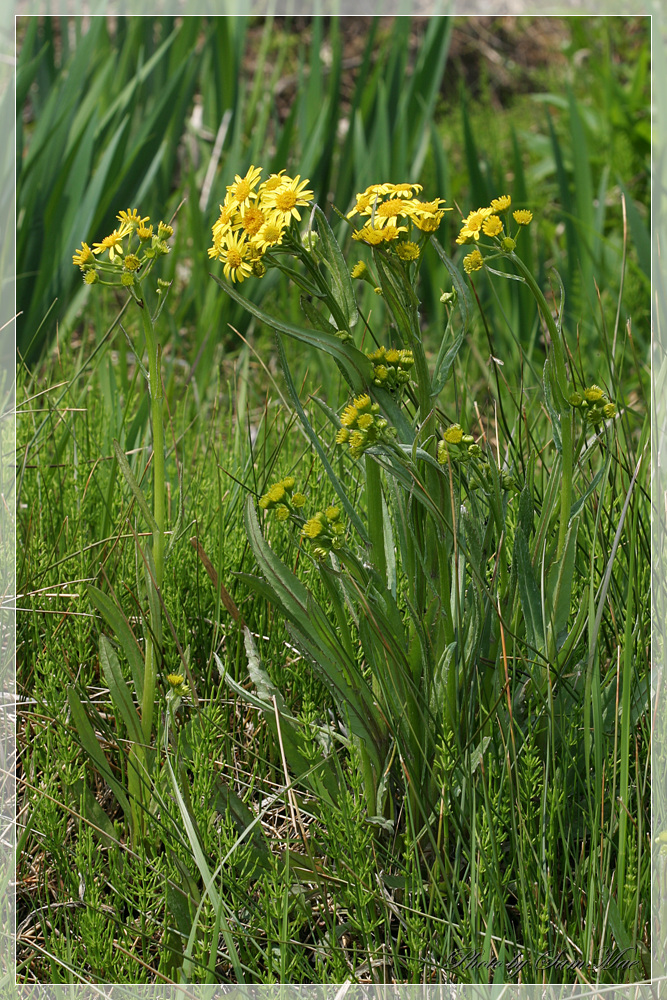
430	739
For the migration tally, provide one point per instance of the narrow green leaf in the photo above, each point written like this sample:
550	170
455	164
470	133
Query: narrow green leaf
529	593
340	275
90	744
559	583
120	628
120	692
356	365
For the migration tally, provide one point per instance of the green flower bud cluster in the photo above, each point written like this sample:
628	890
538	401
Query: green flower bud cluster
594	404
362	427
282	499
325	531
391	368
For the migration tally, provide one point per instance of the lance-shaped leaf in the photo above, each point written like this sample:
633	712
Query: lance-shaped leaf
355	365
341	282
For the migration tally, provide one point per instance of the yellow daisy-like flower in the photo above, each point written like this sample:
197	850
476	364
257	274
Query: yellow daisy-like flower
298	501
175	680
112	243
389	211
227	220
286	199
252	220
145	232
390	232
407	250
522	216
358	270
363	402
365	421
402	190
473	262
243	188
164	231
501	203
273	182
282	512
83	257
343	436
492	226
234	255
269	235
132	219
472	226
594	394
370	235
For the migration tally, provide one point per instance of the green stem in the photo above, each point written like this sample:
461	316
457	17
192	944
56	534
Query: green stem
562	404
157	427
375	518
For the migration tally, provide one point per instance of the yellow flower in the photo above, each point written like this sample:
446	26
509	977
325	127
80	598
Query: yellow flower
365	421
175	679
145	232
594	394
252	220
492	226
164	231
389	211
402	190
390	232
407	250
369	234
228	218
343	436
131	219
282	512
363	402
243	188
358	270
131	262
522	216
234	254
269	235
313	527
298	500
274	181
286	199
501	203
473	261
453	434
349	417
112	243
83	257
472	225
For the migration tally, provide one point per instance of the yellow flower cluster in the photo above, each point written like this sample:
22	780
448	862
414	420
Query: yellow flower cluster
253	218
485	221
385	205
594	404
177	685
122	254
457	446
282	499
391	368
362	427
325	530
